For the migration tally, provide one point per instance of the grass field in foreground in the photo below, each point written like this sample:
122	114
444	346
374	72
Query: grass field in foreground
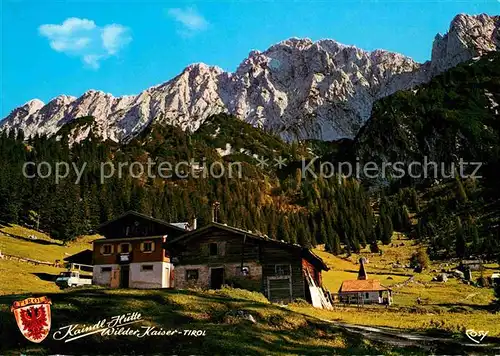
418	319
450	306
278	330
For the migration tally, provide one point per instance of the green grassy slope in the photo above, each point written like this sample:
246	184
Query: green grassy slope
14	240
22	277
278	331
448	308
452	306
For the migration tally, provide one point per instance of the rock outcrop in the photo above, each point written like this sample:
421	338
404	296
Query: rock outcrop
297	88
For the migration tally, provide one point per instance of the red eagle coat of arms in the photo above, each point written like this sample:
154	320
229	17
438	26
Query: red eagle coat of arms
33	317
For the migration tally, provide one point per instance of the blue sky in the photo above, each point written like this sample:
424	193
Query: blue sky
52	47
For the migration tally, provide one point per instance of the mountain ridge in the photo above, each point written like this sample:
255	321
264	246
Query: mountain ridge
297	88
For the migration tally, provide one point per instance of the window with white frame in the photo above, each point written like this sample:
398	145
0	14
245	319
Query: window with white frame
125	247
107	249
147	246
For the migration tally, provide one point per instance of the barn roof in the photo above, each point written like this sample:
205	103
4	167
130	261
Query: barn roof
144	216
253	235
83	257
363	285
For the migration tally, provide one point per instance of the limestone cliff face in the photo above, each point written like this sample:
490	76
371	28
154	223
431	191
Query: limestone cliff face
297	88
468	37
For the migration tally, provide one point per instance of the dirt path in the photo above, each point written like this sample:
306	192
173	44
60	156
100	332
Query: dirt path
397	337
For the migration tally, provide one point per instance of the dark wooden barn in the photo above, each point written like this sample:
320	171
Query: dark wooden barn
218	254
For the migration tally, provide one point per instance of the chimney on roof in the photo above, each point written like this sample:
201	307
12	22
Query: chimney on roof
191	225
362	275
215	211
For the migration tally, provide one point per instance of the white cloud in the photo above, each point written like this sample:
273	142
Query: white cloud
69	26
92	60
84	39
190	20
69	44
114	37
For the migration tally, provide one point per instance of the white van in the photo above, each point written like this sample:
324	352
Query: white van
495	279
73	279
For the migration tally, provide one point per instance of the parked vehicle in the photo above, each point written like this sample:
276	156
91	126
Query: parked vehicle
495	279
73	279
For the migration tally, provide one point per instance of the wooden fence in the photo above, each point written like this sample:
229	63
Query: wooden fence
28	260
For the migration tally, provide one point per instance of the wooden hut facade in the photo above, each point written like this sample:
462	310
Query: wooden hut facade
218	254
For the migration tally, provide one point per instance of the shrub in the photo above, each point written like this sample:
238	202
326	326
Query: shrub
497	293
299	302
420	259
237	293
374	248
483	282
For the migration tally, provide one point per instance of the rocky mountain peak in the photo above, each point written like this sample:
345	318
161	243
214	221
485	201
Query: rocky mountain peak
33	105
93	92
297	88
201	68
468	37
295	42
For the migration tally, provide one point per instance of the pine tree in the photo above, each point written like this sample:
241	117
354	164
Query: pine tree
461	195
420	258
328	211
405	218
374	247
476	242
385	229
414	200
460	239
